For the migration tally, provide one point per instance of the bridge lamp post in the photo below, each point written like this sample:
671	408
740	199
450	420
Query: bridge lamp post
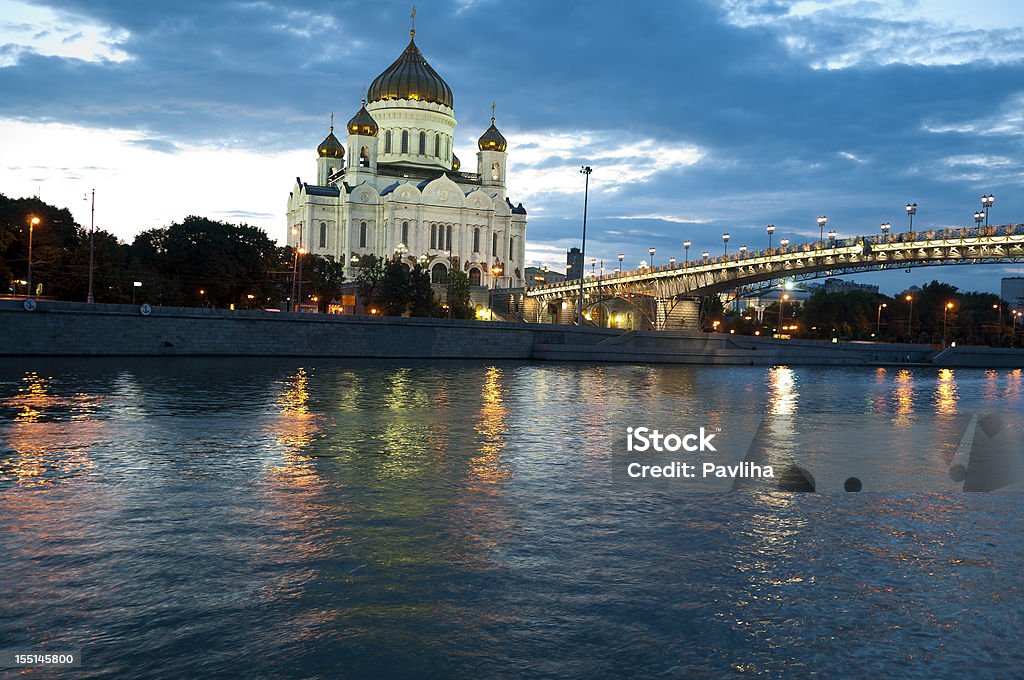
705	255
651	251
979	217
822	221
784	242
771	230
911	211
832	237
686	250
743	251
643	265
622	256
986	202
885	228
32	222
782	301
999	319
878	321
585	171
672	262
945	314
593	267
725	241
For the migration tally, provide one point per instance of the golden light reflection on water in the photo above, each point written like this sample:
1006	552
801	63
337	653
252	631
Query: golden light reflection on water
903	395
492	426
294	429
32	399
782	393
946	396
1013	385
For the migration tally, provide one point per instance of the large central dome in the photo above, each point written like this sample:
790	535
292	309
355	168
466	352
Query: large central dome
411	77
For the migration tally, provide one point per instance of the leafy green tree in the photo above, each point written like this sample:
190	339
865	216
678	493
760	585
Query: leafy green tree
421	295
459	300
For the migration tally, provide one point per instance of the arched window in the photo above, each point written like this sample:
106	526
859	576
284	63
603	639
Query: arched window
511	246
495	171
474	277
362	234
449	237
423	143
494	246
405	141
323	234
447	147
405	233
476	240
433	237
437	145
364	157
387	142
438	273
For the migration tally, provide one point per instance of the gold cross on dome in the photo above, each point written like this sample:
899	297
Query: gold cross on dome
492	111
413	30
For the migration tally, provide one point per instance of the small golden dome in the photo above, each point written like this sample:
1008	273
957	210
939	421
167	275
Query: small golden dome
330	147
363	123
492	139
456	163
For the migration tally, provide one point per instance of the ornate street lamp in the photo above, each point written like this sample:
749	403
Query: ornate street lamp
643	265
885	228
910	318
878	321
705	255
725	242
945	313
585	171
979	217
686	249
743	251
400	251
986	202
651	251
911	211
771	230
822	220
32	222
621	257
784	242
832	237
672	262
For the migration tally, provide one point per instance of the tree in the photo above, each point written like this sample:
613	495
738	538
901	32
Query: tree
421	295
371	276
459	300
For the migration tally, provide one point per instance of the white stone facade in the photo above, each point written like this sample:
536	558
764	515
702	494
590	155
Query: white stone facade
399	186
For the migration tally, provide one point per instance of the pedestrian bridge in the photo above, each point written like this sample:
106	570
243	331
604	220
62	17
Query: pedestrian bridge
668	296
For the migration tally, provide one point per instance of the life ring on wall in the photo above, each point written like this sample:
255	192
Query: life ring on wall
145	309
29	304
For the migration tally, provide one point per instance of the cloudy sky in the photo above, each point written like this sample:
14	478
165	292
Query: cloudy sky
698	117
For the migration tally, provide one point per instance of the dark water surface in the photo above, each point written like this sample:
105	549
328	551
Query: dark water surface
346	519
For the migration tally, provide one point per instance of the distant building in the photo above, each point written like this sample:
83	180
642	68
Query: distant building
394	187
536	276
573	264
841	286
1012	292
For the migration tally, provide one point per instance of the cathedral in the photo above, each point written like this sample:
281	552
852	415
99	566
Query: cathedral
396	189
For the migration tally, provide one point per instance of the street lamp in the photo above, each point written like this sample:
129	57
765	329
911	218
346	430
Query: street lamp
422	260
298	300
910	317
621	257
822	220
986	202
672	262
585	171
743	251
135	286
32	222
911	211
643	265
725	242
686	250
832	237
593	266
999	319
782	301
878	321
400	250
945	313
885	228
979	217
784	242
92	239
771	230
705	256
651	251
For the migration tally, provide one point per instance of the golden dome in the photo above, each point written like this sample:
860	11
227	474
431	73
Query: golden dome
410	77
330	147
363	123
456	163
492	139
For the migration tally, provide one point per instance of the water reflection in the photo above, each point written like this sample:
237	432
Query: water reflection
946	396
294	428
903	394
491	426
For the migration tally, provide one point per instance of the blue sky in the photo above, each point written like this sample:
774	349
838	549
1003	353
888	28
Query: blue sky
698	117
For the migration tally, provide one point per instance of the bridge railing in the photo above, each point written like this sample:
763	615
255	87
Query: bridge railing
948	234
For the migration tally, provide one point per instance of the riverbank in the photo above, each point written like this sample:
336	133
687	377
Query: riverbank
99	330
